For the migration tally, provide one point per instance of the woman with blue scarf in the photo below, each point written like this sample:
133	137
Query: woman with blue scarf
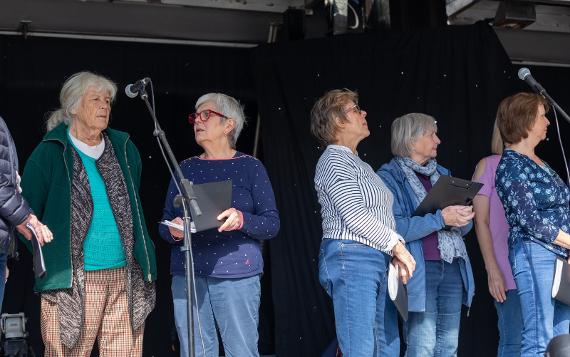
443	280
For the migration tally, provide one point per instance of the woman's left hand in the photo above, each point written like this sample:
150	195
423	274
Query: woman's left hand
234	220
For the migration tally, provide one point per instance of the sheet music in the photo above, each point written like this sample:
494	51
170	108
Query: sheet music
179	226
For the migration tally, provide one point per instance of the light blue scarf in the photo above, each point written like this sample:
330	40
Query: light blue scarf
449	242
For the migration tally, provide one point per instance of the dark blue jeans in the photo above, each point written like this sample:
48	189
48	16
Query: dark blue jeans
542	316
510	325
354	275
435	332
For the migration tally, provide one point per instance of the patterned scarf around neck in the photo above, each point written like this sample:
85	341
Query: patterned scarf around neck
449	242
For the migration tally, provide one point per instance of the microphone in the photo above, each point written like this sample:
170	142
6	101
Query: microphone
524	75
132	90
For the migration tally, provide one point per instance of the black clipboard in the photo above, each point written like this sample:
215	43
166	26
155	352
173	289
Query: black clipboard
448	191
38	256
213	198
397	291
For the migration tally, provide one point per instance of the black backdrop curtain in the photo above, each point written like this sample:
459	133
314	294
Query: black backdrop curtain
456	74
32	72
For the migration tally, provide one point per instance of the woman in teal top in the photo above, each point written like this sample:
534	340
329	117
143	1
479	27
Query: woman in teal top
82	180
102	247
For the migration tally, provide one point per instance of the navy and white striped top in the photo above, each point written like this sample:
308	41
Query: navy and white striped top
355	203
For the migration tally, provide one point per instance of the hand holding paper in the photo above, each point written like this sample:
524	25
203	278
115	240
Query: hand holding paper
176	228
43	234
404	260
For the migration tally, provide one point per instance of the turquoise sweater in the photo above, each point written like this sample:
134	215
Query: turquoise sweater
102	248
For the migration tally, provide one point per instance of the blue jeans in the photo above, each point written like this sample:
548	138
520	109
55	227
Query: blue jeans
354	275
435	332
388	335
231	305
543	317
510	325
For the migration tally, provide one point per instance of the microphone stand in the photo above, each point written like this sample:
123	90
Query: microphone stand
187	199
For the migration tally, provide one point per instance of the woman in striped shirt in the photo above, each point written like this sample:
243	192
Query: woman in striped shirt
358	226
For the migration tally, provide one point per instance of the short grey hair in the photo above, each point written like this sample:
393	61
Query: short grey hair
73	90
407	129
228	106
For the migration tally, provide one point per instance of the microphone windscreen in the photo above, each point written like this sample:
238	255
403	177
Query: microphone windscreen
129	92
523	73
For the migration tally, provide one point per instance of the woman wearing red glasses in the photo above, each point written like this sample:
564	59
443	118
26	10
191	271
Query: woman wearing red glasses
227	261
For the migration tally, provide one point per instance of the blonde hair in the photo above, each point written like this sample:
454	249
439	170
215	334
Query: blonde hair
497	144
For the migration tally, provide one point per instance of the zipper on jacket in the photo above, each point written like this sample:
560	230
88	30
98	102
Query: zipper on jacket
12	157
149	275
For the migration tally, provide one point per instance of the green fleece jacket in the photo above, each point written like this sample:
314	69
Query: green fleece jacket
46	185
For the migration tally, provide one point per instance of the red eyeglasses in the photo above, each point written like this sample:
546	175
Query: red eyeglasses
204	115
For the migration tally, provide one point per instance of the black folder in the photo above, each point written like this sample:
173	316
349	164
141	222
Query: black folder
213	198
448	191
38	256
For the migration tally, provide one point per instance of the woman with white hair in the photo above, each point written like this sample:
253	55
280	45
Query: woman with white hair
227	260
83	180
443	279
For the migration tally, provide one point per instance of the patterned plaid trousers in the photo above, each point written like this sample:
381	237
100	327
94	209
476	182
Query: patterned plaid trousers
106	319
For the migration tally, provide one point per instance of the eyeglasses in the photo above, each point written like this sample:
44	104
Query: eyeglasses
204	115
354	108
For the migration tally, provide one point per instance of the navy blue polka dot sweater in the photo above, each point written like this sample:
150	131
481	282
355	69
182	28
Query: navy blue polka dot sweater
233	254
